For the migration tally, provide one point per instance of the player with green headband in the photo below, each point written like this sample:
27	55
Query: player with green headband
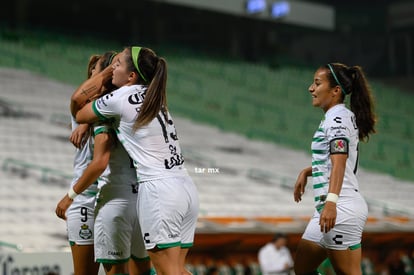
335	230
115	230
167	197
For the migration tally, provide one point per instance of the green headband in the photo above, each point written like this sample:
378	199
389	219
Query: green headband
336	79
112	57
135	54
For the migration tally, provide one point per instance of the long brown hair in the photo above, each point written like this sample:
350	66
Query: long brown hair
106	60
93	60
152	72
352	80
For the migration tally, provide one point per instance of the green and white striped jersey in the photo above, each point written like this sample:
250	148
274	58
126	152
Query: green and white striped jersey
336	134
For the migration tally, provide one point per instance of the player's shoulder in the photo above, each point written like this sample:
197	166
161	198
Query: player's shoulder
127	91
338	115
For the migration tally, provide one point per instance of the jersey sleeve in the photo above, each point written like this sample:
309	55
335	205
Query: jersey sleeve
338	133
101	128
108	106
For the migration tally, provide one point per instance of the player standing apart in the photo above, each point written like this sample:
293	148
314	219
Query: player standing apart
335	230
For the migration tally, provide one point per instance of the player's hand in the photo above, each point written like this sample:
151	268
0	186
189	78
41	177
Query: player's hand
80	135
62	206
328	217
300	185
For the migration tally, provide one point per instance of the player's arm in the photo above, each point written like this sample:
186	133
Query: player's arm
337	173
301	182
87	114
328	215
88	89
100	160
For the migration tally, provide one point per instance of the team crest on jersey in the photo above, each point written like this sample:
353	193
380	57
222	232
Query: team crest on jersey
85	233
339	146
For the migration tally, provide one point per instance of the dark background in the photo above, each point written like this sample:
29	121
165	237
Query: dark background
365	33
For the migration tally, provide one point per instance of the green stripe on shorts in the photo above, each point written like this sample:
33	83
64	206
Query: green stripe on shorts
140	259
168	245
108	261
356	246
186	245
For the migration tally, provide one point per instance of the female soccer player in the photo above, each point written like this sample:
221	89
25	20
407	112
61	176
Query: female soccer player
167	197
335	229
116	227
80	215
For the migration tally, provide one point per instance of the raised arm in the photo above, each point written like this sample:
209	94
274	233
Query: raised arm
88	89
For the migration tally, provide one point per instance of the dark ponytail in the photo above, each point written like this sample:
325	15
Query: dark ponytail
152	72
155	97
353	81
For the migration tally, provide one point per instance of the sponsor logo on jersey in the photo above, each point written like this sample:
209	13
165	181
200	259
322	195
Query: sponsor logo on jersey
146	238
338	128
137	98
115	253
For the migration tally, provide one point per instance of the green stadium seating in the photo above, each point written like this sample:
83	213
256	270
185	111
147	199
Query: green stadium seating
251	99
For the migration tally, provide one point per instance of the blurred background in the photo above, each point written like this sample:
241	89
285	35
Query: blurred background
239	71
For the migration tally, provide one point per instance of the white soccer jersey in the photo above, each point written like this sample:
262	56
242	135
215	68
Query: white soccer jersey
83	157
337	134
117	231
120	170
154	148
80	214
